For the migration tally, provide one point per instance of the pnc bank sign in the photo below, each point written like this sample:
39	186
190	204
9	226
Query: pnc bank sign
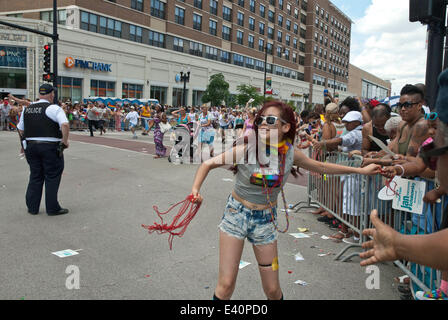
83	64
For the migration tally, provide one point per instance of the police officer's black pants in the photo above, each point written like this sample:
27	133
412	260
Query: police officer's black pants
46	166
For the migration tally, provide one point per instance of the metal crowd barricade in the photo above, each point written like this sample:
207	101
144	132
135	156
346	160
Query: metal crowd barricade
351	199
430	221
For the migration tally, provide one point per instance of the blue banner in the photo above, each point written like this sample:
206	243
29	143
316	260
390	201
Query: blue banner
12	57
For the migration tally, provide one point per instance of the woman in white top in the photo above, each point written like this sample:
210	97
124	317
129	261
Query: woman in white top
207	134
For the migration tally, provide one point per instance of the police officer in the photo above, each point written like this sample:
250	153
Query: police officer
44	129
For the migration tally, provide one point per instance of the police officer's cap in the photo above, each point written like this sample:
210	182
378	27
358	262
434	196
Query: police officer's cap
46	89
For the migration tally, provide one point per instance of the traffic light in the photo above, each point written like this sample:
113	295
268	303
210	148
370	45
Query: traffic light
426	11
48	76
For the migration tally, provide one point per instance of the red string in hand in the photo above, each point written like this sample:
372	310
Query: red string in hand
180	222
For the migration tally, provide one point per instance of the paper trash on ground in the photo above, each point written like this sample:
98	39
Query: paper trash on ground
302	283
227	180
325	238
303	229
299	257
66	253
243	264
299	235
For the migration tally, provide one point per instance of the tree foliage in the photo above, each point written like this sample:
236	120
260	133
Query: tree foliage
217	90
247	92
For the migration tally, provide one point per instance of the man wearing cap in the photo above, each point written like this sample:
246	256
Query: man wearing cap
133	121
45	129
352	140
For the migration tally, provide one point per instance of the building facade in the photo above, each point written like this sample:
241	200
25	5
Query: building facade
137	48
368	86
328	37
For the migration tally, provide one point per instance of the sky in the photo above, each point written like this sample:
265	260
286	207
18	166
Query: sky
384	42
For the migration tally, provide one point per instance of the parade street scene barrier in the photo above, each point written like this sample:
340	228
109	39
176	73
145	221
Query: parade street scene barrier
399	202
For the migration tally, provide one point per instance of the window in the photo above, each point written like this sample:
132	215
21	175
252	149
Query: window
288	8
158	9
69	89
294	43
238	60
261	27
197	22
270	33
303	33
278	70
262	10
195	48
288	24
286	54
251	24
279	36
46	16
198	4
240	18
259	65
212	26
159	93
296	13
211	53
279	52
156	39
178	44
102	88
103	25
252	6
225	56
302	47
269	48
137	5
280	4
271	16
227	13
250	63
261	45
226	31
239	37
89	21
135	33
241	3
250	41
296	28
303	18
302	60
294	57
179	16
214	7
280	20
287	40
132	91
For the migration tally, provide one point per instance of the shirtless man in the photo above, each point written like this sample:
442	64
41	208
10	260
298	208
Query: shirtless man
412	131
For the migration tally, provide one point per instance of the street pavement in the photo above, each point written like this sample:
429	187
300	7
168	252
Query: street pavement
110	185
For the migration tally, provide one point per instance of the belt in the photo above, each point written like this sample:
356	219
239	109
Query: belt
40	141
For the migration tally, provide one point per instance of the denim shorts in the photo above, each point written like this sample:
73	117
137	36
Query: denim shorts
255	225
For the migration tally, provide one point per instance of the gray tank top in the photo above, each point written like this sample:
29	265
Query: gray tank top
249	185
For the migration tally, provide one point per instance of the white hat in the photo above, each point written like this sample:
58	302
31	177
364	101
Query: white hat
353	116
132	107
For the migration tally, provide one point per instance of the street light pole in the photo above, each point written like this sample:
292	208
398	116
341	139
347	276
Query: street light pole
265	69
334	84
185	77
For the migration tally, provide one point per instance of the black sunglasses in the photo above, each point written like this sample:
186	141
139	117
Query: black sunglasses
270	120
429	154
406	104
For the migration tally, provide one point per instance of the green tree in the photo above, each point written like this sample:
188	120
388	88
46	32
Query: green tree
217	90
247	92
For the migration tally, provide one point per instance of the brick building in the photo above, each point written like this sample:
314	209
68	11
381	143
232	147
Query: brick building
207	36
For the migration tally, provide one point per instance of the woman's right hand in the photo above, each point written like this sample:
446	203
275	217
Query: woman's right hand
197	198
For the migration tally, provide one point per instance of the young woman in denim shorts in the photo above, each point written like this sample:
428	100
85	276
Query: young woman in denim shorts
251	209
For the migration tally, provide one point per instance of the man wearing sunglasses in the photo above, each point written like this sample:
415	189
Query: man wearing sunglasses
413	131
430	250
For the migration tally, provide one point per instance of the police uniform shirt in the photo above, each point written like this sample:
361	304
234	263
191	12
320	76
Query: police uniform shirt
54	112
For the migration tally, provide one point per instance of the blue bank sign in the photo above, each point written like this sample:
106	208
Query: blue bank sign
83	64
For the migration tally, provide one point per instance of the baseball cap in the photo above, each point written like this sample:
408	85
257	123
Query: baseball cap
353	116
45	89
